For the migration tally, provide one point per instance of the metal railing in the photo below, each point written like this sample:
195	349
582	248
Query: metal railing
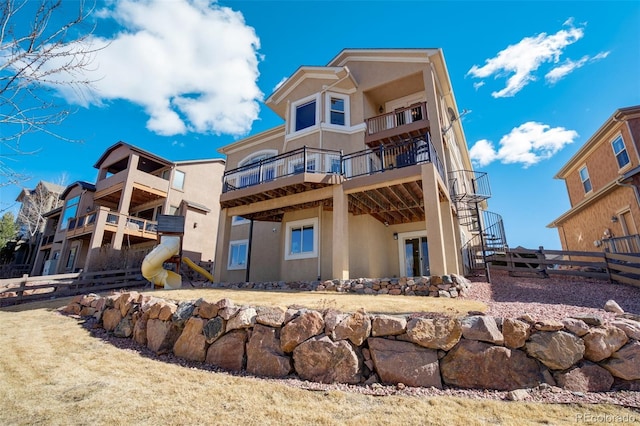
469	186
303	160
397	118
418	150
132	222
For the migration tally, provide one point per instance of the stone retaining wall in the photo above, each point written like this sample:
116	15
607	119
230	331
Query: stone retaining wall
435	286
477	351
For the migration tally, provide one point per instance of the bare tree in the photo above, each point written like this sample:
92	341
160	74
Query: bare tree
42	49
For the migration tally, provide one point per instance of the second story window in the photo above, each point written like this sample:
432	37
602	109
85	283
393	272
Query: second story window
178	180
586	182
70	210
620	152
336	106
305	115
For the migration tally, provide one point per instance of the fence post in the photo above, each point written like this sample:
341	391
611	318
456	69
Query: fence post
23	285
542	266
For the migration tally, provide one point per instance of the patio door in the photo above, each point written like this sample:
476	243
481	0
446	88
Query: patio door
414	255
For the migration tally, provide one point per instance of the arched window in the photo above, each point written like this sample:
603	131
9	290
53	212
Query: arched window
258	173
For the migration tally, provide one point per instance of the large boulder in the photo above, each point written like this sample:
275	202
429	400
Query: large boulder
191	344
213	329
515	332
270	316
320	359
245	318
264	355
405	362
387	325
588	377
625	363
355	328
630	327
474	364
439	333
301	328
162	335
601	342
228	352
558	350
482	328
140	329
111	318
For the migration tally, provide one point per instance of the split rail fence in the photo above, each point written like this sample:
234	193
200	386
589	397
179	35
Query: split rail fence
14	291
622	268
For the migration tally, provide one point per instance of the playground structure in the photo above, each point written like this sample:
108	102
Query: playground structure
169	250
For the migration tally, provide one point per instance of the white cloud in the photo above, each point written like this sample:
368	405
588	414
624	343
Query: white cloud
478	84
569	66
519	62
482	153
191	64
527	144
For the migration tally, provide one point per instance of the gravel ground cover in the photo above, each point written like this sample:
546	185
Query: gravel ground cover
505	296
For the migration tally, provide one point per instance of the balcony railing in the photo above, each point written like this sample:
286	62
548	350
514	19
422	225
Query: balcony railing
398	118
87	221
307	160
418	150
414	151
469	186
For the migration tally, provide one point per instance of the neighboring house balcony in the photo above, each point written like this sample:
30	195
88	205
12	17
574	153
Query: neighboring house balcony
385	182
47	241
136	229
399	125
146	188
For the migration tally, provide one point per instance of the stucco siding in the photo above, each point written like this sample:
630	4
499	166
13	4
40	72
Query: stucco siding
580	230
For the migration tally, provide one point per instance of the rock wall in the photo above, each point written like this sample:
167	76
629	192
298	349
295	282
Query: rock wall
435	286
477	351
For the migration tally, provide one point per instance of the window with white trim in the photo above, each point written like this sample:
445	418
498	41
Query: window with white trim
620	151
305	114
301	239
238	250
178	180
584	178
337	110
296	165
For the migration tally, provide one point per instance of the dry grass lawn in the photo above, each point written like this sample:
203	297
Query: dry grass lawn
53	372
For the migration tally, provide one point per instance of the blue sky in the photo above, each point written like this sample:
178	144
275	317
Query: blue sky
182	78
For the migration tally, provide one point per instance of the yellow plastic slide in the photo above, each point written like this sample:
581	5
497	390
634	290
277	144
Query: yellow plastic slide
152	268
197	268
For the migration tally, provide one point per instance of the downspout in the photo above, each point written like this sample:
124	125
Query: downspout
319	240
248	270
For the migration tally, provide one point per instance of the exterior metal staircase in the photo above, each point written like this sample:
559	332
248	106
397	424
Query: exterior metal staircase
469	190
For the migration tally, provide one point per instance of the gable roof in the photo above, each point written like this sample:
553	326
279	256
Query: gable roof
133	148
621	114
82	184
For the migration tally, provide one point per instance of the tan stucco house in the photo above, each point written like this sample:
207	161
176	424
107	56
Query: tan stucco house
119	211
603	179
368	176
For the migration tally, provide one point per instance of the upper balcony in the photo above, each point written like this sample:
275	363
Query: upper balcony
287	174
399	125
137	229
146	187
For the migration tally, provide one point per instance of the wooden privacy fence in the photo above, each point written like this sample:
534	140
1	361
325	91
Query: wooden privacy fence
623	268
18	290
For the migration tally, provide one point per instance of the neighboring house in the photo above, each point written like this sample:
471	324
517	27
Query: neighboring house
35	203
369	176
602	180
119	212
